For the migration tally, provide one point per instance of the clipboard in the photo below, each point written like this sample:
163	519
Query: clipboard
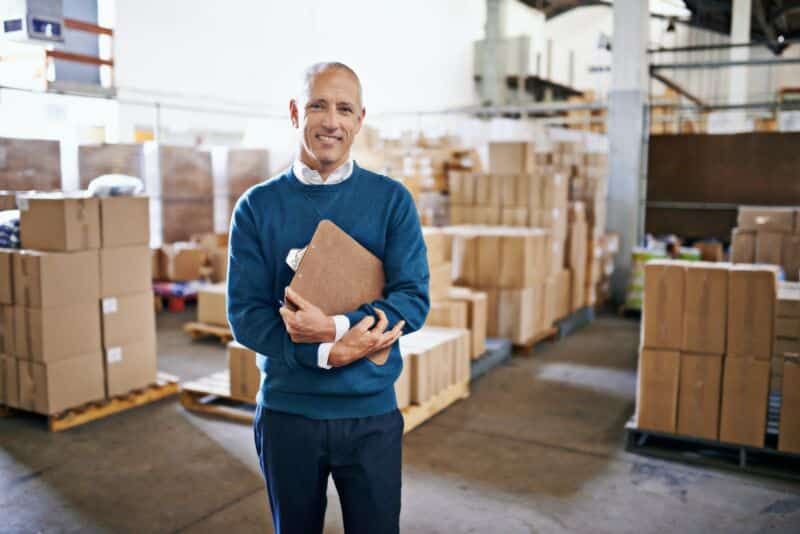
337	274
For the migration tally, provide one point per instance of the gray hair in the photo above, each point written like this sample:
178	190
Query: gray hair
317	68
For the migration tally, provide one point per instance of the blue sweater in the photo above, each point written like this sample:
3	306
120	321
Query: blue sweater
281	214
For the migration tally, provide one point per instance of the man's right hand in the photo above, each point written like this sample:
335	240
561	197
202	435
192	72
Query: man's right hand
362	340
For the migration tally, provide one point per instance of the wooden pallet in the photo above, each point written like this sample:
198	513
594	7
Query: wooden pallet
544	335
165	386
201	330
211	395
712	453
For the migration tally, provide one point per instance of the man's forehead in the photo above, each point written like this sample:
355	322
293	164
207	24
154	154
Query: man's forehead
335	83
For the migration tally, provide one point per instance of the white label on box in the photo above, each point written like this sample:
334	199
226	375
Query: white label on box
555	214
22	203
109	305
114	355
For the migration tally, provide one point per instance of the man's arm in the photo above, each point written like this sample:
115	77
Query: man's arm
252	314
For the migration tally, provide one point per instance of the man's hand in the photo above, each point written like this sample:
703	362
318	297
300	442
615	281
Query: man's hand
308	324
361	341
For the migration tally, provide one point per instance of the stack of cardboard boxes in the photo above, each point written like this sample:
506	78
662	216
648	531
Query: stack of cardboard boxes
785	368
493	199
768	235
706	342
82	326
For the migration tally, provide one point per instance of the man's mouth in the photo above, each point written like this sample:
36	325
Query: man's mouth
328	138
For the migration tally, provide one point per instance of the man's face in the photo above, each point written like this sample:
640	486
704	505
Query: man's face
330	118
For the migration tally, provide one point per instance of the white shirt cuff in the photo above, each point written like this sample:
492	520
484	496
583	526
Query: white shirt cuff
323	352
342	326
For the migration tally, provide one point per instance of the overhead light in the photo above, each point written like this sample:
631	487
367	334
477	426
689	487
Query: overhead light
781	39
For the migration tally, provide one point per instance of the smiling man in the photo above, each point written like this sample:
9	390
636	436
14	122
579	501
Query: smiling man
324	409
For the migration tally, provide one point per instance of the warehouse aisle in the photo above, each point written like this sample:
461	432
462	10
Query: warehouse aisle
536	448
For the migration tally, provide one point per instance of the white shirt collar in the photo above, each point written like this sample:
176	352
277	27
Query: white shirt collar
308	176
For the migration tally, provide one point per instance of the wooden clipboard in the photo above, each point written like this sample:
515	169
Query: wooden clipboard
337	274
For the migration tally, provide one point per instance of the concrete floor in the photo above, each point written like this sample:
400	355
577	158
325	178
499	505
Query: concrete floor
536	448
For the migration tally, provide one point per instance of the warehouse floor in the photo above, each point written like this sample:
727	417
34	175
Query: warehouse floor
536	448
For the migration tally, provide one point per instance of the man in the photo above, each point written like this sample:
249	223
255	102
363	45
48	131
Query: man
323	407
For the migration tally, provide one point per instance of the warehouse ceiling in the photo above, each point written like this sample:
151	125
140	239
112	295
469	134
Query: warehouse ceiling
773	21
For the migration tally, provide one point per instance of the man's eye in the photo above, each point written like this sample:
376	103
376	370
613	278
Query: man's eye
345	110
315	106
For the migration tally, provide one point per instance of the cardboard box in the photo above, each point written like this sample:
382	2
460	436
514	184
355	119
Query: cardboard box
8	200
127	319
212	304
402	386
440	280
772	219
448	314
705	308
751	309
131	366
245	377
555	191
662	309
745	386
9	395
125	271
53	334
124	221
50	388
710	250
51	279
511	157
699	395
789	432
182	261
437	243
743	246
788	304
6	329
477	311
788	327
786	346
790	256
6	284
769	247
59	223
218	259
657	390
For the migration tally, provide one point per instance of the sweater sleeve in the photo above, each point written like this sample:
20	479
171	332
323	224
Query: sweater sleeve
252	314
405	265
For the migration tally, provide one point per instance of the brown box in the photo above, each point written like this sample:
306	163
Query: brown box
59	223
788	303
441	280
245	377
9	377
790	256
745	386
555	190
124	221
52	387
6	329
510	157
125	271
710	251
789	432
448	314
402	386
131	366
212	304
127	319
50	279
751	309
705	311
788	327
786	346
657	390
769	247
563	296
52	334
438	244
743	246
182	261
8	200
477	310
773	219
219	264
6	284
662	314
699	395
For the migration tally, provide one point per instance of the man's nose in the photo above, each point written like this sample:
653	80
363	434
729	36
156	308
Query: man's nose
329	119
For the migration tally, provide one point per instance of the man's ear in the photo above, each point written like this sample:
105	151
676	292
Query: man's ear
294	113
361	119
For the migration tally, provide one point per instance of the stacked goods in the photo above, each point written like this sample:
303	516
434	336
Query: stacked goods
187	192
476	305
212	304
179	262
768	235
706	342
492	199
245	377
246	167
30	164
512	266
97	160
216	249
575	257
786	365
434	359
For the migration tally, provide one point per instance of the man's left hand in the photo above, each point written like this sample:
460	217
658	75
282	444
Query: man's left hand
307	324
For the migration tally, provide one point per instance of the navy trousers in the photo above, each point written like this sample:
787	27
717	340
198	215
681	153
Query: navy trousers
364	456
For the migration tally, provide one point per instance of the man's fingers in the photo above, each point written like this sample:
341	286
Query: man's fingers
365	324
383	322
295	298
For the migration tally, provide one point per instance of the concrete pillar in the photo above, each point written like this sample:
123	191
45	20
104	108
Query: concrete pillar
491	75
740	33
626	119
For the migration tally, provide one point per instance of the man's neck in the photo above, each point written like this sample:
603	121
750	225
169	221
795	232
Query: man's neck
323	169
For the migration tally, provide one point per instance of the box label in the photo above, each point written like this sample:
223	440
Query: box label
114	355
109	306
22	203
